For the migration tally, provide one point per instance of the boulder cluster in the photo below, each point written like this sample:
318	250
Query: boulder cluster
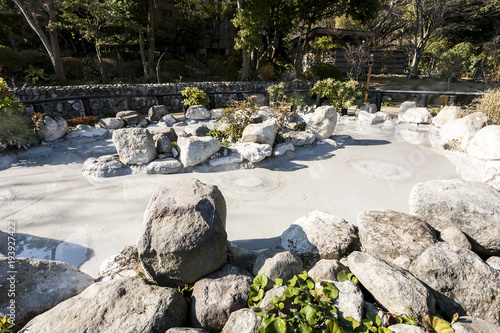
443	257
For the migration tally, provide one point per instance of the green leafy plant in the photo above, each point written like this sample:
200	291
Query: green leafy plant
34	75
194	96
259	286
283	113
300	126
276	93
14	132
436	324
5	325
297	101
237	116
372	323
340	94
346	276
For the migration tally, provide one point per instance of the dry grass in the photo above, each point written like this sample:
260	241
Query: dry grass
489	104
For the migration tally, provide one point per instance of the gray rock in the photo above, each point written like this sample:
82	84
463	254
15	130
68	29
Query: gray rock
232	159
468	324
216	113
252	152
299	138
387	234
86	134
183	236
394	288
281	148
134	145
122	264
195	150
471	207
127	305
197	129
164	166
143	123
322	122
263	133
168	131
464	283
52	129
387	116
270	295
416	115
350	302
494	262
111	123
163	143
370	118
403	328
464	129
319	235
402	261
485	145
446	114
217	295
167	120
130	117
243	321
185	330
277	264
157	112
405	106
456	237
39	285
326	269
197	112
105	166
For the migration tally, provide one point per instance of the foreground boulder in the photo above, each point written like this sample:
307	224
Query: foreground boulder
416	115
469	206
486	143
39	285
134	145
197	112
243	321
263	133
277	264
319	235
52	129
127	305
394	288
322	122
105	166
468	324
183	236
387	234
195	150
446	114
464	283
217	295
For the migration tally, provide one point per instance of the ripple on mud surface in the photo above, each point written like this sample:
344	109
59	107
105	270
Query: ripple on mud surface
254	183
380	170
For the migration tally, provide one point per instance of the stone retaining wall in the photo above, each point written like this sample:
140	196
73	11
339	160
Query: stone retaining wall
109	107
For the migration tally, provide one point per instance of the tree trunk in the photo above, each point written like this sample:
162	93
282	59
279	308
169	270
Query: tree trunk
143	55
245	73
52	45
99	62
151	37
416	61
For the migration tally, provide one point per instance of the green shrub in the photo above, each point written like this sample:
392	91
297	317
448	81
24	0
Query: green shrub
34	75
194	96
73	67
340	94
36	59
237	116
489	104
323	71
14	132
276	93
8	58
90	71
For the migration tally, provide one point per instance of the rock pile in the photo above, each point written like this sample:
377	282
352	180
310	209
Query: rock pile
400	260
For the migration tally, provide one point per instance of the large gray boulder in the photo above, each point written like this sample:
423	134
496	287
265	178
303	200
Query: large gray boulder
468	324
299	138
485	145
455	236
183	235
394	288
134	145
130	117
252	152
405	106
469	206
263	133
127	305
387	234
446	114
217	295
350	302
111	123
319	235
157	112
195	150
163	130
464	129
243	321
326	269
38	285
197	112
163	143
277	264
463	282
416	115
322	122
52	129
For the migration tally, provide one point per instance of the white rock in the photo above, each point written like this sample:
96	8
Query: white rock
111	123
416	115
370	118
299	138
322	122
195	150
485	145
86	133
253	152
165	166
465	128
405	106
446	114
134	145
197	112
52	129
281	148
263	133
494	262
